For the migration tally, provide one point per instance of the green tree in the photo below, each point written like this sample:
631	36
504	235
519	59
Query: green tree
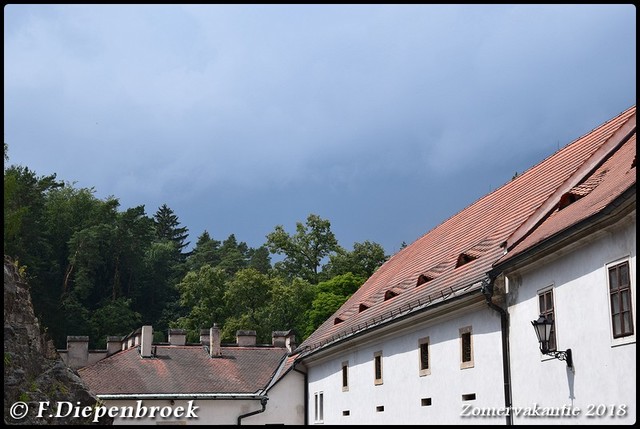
260	259
305	250
25	197
206	251
363	261
168	227
114	318
290	300
322	307
202	294
233	255
247	296
329	296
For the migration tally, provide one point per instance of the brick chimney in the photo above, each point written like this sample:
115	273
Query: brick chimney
177	337
214	335
146	341
246	338
77	351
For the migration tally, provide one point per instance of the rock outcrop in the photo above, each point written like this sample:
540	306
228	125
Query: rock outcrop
34	373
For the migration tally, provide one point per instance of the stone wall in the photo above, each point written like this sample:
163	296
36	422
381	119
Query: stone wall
33	370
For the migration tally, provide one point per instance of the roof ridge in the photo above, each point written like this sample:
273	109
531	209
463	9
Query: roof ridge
621	114
584	170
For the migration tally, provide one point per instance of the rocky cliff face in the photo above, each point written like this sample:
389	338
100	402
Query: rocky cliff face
38	387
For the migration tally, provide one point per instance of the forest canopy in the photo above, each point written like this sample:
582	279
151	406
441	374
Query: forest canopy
97	269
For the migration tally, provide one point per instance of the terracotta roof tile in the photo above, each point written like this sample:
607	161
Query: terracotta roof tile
184	369
480	230
610	180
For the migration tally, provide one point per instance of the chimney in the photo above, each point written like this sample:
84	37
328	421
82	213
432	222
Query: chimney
290	342
177	337
136	337
214	335
246	338
77	351
114	344
146	341
204	336
279	338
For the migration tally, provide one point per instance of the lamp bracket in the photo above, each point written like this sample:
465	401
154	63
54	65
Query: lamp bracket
561	355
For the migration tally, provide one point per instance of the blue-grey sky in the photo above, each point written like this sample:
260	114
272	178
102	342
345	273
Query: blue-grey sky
384	119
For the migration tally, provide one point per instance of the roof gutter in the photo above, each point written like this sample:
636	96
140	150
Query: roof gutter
181	396
469	291
263	402
487	291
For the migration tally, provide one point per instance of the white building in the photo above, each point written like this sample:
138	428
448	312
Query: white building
430	339
578	266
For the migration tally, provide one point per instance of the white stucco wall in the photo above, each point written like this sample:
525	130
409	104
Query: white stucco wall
286	403
209	412
285	406
605	369
403	387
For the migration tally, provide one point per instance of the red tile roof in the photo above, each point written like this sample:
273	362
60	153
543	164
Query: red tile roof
610	180
185	370
480	231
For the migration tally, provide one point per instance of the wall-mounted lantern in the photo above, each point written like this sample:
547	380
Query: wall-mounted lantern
542	327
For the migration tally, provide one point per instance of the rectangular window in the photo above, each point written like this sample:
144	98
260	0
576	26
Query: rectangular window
620	296
466	348
377	367
424	358
545	299
319	407
345	376
425	402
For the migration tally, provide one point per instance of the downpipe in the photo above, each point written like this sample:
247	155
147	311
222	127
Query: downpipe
487	291
263	402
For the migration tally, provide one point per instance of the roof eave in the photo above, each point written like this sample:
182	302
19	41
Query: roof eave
620	207
472	291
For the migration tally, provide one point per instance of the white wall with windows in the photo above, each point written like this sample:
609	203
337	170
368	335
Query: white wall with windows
408	387
587	310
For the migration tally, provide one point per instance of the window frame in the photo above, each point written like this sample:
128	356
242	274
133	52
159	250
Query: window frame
544	292
631	338
470	363
345	376
424	343
318	416
377	365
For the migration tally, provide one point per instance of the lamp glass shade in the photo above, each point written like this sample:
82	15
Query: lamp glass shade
542	327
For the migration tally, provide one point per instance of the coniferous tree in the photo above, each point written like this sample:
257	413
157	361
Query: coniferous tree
168	227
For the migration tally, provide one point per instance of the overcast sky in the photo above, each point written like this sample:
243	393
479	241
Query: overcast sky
384	119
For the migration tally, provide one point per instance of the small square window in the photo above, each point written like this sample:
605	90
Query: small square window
380	408
425	402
